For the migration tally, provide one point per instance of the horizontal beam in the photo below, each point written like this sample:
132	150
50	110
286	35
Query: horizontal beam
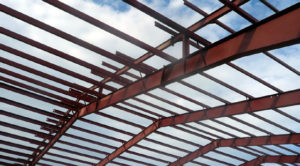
285	29
247	106
273	159
250	141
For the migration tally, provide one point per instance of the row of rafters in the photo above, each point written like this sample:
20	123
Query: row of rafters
284	26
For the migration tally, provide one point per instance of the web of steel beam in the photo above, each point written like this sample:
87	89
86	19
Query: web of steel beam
250	40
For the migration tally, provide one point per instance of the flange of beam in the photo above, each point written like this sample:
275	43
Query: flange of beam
250	141
280	30
273	159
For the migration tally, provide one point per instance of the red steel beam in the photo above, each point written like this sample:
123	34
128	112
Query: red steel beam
34	81
284	28
241	12
270	6
55	139
273	159
250	141
143	134
21	138
200	11
247	106
11	144
18	160
235	4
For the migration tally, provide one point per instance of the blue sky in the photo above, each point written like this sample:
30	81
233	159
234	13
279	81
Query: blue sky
133	22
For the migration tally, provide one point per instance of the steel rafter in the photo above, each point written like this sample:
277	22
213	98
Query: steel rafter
280	30
250	141
247	106
273	159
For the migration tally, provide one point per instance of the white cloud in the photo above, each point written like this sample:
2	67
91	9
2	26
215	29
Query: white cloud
141	26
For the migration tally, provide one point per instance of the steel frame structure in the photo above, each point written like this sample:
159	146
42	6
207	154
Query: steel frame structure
282	29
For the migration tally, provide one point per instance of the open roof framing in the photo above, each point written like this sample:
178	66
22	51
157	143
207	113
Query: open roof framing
210	106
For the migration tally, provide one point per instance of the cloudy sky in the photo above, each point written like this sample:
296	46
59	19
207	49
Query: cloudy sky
135	23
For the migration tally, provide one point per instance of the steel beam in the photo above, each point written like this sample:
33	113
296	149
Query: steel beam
247	106
241	12
143	134
270	6
273	159
250	141
55	139
284	28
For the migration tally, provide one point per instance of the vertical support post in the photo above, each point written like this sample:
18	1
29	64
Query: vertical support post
185	46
